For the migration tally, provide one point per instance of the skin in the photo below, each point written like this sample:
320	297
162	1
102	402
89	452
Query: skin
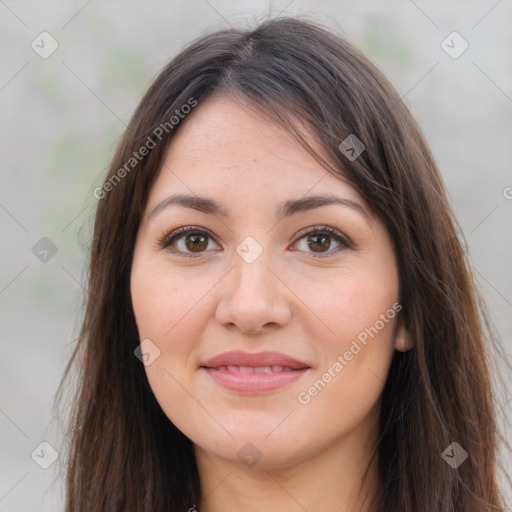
288	300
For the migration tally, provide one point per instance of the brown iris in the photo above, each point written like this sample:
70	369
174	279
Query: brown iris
196	243
321	241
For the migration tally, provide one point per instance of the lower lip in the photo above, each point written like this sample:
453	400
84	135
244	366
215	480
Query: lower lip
254	382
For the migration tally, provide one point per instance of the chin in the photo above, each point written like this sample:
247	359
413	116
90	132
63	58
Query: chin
255	450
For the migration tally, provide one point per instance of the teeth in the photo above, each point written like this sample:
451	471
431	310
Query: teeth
255	369
262	369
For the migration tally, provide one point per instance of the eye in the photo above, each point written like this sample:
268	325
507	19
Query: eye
192	241
319	240
187	241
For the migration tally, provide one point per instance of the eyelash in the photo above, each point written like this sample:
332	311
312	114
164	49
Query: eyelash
168	239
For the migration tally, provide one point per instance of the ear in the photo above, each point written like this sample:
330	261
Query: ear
403	342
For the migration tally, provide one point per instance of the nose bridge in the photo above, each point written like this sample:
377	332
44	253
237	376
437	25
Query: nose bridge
251	273
254	297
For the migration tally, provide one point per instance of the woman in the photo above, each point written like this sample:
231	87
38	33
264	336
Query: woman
280	315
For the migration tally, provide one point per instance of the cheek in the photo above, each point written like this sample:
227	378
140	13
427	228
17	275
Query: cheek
355	340
348	303
169	311
165	302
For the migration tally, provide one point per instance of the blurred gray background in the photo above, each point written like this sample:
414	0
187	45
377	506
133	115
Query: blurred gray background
63	109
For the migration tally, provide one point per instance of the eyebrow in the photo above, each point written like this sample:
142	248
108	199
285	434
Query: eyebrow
285	209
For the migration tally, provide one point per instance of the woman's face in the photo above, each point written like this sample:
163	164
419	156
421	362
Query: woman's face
251	285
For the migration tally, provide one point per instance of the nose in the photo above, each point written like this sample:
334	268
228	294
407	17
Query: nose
255	300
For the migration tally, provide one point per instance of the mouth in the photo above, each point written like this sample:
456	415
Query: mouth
254	373
254	369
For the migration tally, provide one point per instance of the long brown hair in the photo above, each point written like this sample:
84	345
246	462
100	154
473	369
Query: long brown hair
124	453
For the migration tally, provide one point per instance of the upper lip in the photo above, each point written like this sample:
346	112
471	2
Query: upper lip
240	358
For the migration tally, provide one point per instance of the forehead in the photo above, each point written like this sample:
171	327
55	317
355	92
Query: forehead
225	150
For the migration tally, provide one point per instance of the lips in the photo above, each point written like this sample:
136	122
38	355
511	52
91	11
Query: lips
254	373
256	369
272	360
